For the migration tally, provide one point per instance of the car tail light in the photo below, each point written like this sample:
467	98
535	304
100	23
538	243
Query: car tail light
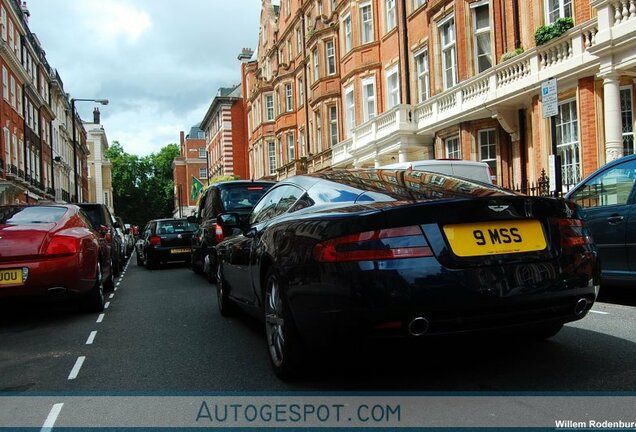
390	243
493	176
155	240
218	233
62	245
574	233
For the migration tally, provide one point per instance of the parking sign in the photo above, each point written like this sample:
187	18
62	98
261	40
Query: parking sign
550	98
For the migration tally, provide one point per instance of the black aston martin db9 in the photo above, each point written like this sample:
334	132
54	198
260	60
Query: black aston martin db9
347	254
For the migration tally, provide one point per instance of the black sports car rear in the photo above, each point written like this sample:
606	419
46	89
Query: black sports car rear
364	253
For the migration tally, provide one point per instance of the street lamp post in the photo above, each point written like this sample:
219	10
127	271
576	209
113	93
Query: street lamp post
73	100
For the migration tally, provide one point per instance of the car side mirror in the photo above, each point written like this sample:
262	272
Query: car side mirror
229	220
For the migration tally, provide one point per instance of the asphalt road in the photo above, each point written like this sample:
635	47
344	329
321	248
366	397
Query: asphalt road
162	333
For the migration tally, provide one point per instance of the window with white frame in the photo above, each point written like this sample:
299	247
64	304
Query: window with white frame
202	153
12	91
291	147
319	6
271	154
393	87
346	28
421	64
269	107
418	3
334	3
289	97
453	150
301	92
487	141
331	57
366	19
627	119
481	22
7	148
333	125
5	82
203	173
301	142
555	9
3	22
316	67
318	125
390	15
368	97
568	146
289	51
19	98
350	113
449	57
299	40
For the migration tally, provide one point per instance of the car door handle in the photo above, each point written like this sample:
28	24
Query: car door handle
615	219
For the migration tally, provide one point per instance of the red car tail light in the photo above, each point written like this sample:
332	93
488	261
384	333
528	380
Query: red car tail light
155	240
391	243
62	246
218	233
574	233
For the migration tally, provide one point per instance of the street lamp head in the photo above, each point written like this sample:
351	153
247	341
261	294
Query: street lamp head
102	101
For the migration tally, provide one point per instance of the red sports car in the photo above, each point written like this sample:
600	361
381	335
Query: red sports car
52	249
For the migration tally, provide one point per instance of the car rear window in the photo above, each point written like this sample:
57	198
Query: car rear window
30	215
95	214
176	226
242	197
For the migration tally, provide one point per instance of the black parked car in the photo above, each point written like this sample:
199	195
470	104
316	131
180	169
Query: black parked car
104	222
607	199
352	254
237	196
164	241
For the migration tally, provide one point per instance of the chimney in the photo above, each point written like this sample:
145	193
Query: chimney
96	115
245	55
25	12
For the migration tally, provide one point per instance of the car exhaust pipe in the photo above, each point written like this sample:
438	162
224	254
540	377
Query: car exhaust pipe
418	326
580	306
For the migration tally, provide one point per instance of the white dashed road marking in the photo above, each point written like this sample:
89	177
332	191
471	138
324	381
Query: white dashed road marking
91	338
599	312
100	318
106	305
52	417
77	367
111	296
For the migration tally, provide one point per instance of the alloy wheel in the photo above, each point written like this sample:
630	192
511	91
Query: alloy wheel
274	323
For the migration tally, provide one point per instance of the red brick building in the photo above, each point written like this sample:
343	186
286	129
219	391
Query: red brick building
355	83
190	163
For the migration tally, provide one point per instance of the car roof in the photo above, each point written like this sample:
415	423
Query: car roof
605	167
231	183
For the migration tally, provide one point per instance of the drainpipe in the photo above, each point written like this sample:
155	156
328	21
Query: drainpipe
305	84
522	147
405	52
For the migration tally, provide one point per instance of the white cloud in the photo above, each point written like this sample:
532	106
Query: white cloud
110	20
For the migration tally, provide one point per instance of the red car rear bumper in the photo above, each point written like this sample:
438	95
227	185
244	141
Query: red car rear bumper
61	275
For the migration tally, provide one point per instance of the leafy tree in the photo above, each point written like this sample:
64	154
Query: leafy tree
143	187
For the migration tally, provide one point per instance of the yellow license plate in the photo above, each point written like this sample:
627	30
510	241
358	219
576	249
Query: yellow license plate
177	251
11	277
494	238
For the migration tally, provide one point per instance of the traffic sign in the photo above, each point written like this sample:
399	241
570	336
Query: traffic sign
550	98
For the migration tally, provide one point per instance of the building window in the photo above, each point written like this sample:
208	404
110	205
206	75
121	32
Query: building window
289	51
334	3
299	40
348	42
418	3
567	128
333	125
453	151
289	98
627	118
421	63
366	17
368	95
202	153
271	153
350	113
331	57
483	52
449	59
203	173
319	7
390	15
301	142
291	149
5	82
488	148
318	121
393	87
301	92
556	9
316	67
269	107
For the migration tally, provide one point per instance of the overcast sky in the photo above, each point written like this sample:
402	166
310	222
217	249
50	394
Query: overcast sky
159	62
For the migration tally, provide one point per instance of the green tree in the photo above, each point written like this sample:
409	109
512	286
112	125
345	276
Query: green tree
143	187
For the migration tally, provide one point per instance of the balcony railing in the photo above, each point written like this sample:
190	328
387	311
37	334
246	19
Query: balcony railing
320	161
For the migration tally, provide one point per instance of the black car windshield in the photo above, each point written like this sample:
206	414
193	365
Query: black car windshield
242	197
30	215
175	226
